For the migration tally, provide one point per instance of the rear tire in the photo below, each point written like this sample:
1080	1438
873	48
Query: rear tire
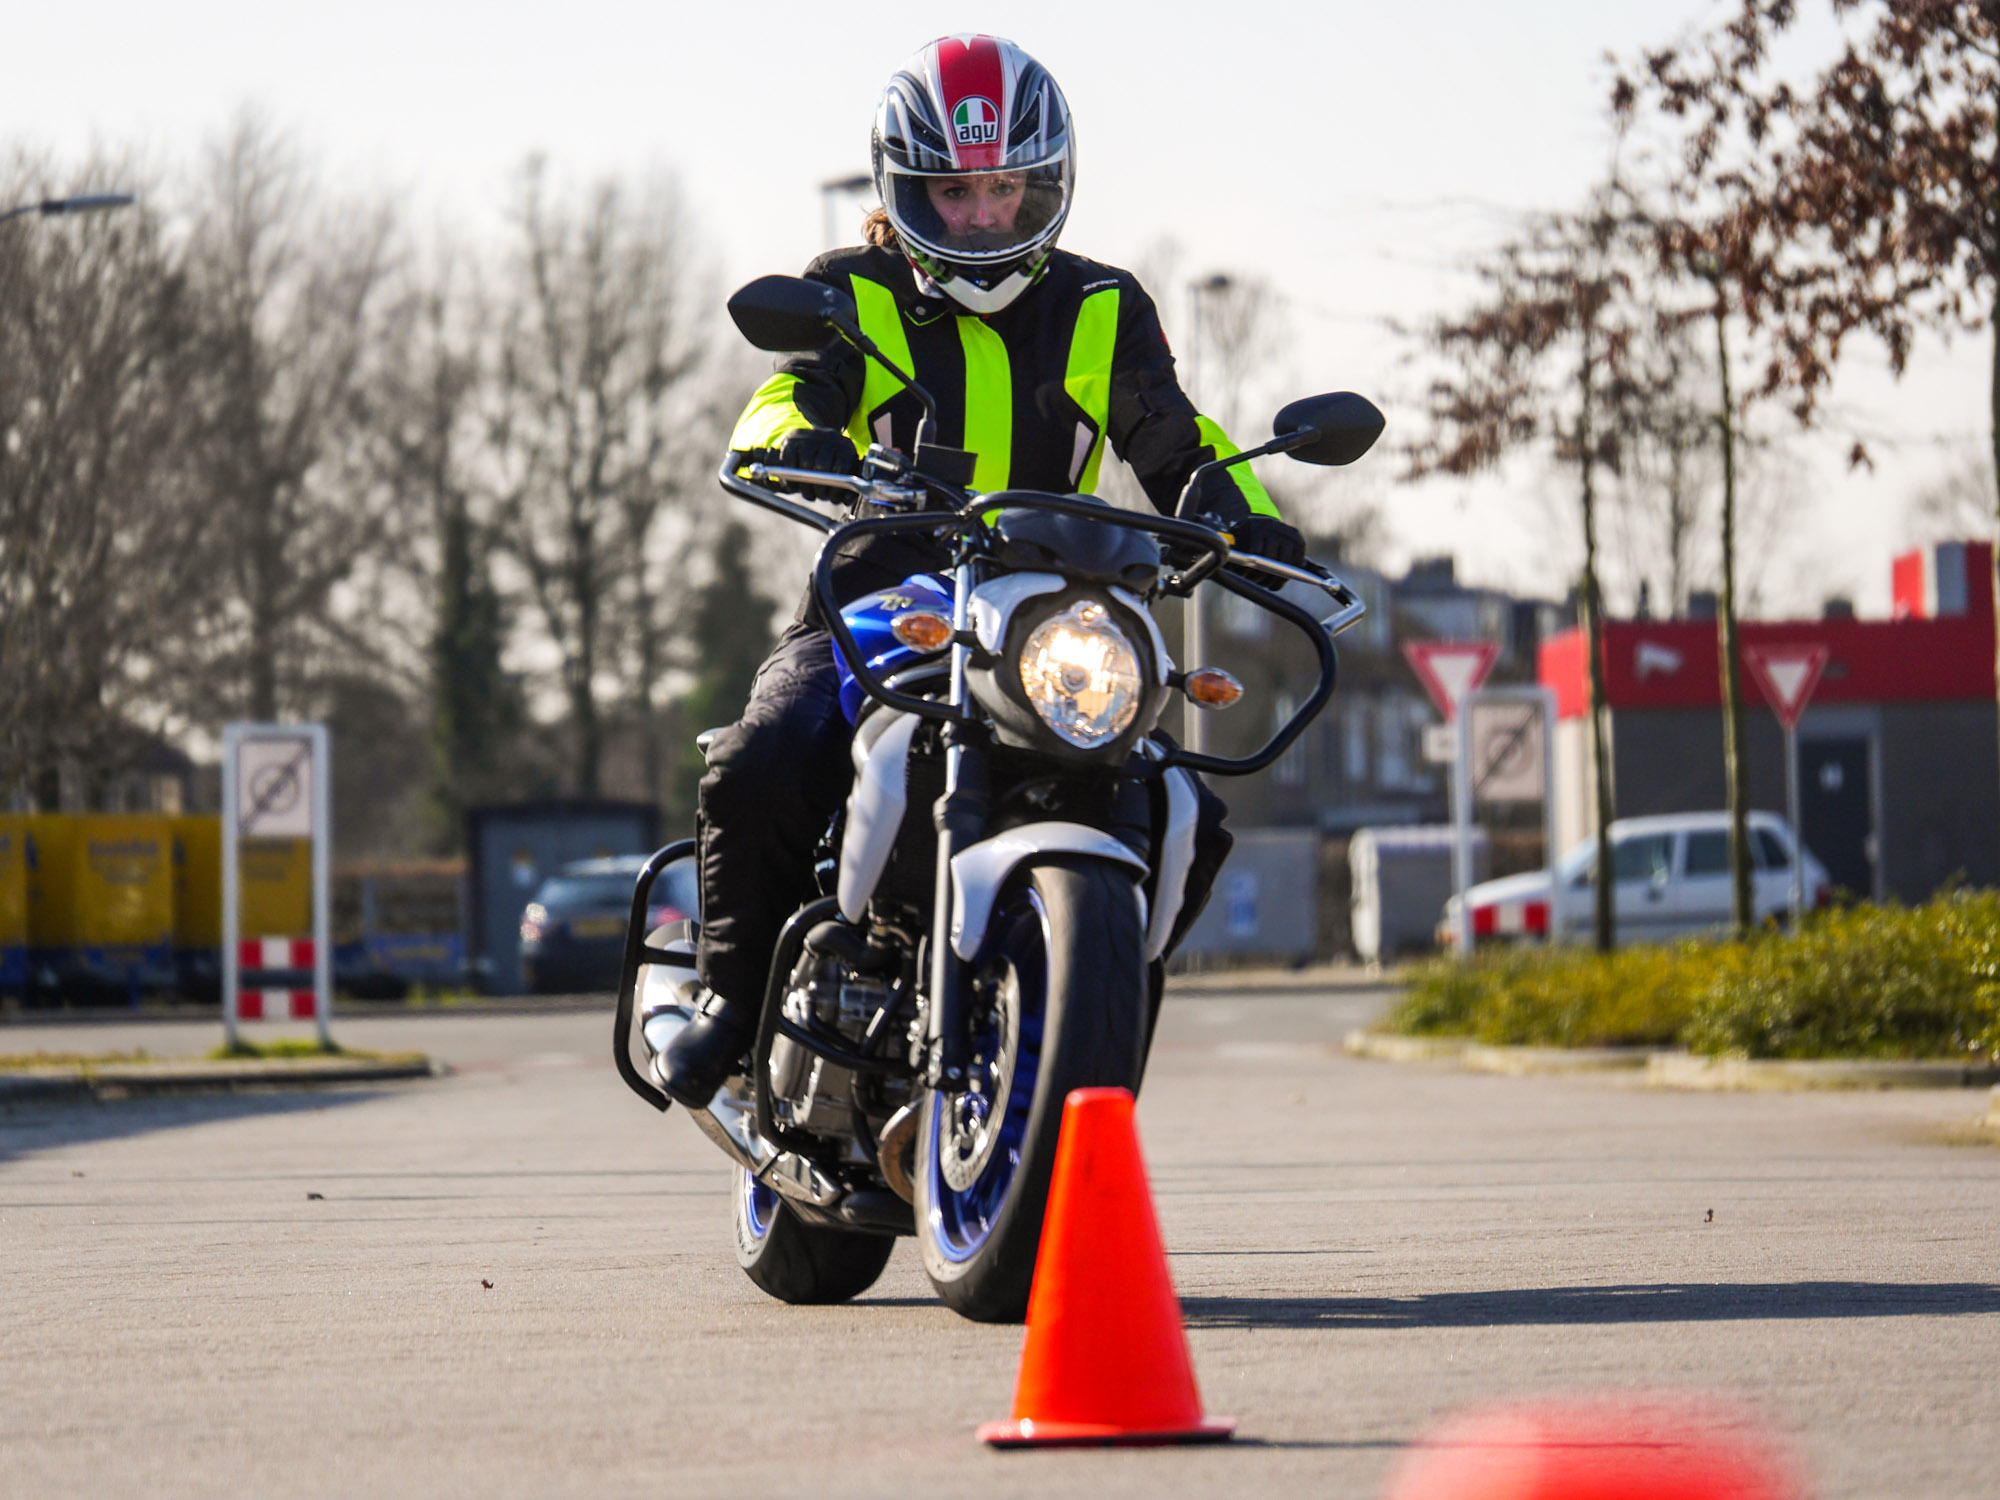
1059	996
799	1262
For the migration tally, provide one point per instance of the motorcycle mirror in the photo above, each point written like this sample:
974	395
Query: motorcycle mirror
1343	426
789	314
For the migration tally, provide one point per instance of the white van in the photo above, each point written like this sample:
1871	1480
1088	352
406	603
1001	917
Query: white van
1671	878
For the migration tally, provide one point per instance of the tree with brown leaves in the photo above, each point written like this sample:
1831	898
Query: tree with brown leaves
1879	182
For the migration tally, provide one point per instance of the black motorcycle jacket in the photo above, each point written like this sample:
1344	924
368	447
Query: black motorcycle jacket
1034	391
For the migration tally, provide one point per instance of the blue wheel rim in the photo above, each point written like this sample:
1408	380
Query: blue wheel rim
962	1219
760	1206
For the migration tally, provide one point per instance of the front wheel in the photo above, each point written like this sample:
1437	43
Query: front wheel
1057	998
799	1262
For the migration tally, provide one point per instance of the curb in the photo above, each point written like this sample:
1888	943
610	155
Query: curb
1321	977
1482	1057
1681	1070
122	1080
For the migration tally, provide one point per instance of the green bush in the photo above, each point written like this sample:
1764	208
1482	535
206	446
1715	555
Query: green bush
1561	997
1870	981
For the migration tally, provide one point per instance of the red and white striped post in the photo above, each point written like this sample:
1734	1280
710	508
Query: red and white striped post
268	971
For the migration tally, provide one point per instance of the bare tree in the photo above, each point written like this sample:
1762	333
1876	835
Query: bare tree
1958	502
287	288
1553	356
1671	467
594	342
443	538
100	529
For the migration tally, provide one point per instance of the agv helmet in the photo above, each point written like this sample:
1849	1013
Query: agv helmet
975	117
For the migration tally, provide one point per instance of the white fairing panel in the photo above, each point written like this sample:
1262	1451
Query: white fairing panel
978	873
1176	859
874	809
1163	662
994	603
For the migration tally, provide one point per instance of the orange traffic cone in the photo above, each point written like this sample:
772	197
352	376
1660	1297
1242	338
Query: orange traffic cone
1626	1448
1105	1360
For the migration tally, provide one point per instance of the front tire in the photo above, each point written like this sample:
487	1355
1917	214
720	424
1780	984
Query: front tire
1058	1000
798	1262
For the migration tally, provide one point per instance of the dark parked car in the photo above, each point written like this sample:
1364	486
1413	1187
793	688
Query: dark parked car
573	932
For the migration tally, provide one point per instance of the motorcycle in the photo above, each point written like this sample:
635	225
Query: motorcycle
997	897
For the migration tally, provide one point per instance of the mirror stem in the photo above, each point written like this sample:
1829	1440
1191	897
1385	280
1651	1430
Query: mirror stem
871	350
1283	444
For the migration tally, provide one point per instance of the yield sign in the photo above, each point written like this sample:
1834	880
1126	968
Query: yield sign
1451	669
1788	675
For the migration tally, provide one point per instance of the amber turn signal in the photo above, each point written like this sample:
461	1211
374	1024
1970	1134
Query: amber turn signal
1212	687
922	630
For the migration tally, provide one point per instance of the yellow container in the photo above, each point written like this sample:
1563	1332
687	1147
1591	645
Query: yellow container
13	901
197	882
124	874
276	877
51	855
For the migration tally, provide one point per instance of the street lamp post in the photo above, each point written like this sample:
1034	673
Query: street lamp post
84	203
1194	643
834	189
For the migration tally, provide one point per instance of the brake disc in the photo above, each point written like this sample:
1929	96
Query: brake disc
974	1119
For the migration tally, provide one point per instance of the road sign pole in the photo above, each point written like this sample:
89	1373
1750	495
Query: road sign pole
1792	813
1461	831
1549	815
231	890
1787	675
322	878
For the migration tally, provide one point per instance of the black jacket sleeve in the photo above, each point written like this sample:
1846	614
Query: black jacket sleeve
1154	427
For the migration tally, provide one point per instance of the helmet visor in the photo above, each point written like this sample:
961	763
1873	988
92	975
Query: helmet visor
977	217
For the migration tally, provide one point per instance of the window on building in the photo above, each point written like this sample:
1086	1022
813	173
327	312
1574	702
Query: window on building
1291	767
1244	619
1392	747
1354	728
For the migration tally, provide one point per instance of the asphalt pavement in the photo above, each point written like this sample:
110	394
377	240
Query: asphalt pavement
517	1280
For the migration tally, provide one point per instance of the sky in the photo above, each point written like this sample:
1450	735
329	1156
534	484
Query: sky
1352	155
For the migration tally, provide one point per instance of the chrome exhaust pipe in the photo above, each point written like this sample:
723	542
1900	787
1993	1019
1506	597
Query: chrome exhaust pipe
898	1138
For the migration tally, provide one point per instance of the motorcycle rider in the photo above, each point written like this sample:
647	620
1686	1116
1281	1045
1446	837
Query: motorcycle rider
1036	358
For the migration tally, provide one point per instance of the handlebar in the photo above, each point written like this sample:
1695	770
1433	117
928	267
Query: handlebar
1216	561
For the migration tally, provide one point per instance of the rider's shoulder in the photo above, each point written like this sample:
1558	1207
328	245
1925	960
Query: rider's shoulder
871	261
1083	276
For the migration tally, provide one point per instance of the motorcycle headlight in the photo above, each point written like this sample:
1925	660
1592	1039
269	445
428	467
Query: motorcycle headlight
1081	674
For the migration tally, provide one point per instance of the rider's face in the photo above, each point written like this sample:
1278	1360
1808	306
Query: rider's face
986	203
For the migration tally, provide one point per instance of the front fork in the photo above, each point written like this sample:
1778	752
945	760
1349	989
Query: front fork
960	816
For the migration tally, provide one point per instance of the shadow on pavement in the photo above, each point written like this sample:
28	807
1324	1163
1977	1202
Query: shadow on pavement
1662	1303
27	1127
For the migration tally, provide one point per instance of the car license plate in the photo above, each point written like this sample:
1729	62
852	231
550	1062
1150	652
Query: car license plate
596	927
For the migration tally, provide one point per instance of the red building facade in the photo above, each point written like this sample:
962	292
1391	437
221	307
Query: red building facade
1899	749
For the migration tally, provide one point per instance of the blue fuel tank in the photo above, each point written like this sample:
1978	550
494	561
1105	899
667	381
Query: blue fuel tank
869	616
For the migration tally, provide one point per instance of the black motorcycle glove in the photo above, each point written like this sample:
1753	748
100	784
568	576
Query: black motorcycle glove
825	449
1266	536
1216	500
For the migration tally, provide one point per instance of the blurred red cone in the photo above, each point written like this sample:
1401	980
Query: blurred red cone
1638	1448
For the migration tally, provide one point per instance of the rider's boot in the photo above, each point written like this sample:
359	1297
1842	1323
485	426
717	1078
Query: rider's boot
706	1052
